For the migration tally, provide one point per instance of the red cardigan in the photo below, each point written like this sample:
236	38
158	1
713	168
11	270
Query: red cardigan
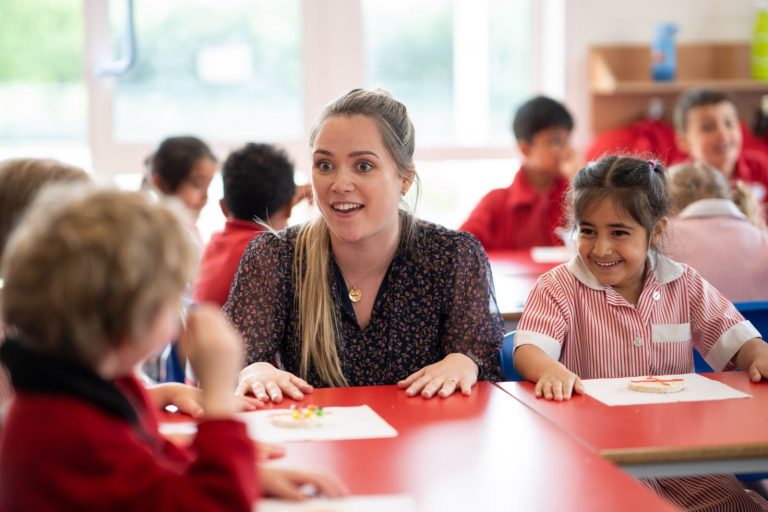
518	217
59	452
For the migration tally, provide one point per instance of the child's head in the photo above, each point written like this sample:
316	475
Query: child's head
92	273
183	167
21	179
691	182
708	128
258	184
620	206
542	127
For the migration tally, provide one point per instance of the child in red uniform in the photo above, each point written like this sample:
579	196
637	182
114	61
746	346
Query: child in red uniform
527	212
708	129
258	188
92	286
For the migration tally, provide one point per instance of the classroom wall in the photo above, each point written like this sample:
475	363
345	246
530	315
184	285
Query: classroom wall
589	22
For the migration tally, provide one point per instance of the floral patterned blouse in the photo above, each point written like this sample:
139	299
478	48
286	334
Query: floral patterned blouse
435	299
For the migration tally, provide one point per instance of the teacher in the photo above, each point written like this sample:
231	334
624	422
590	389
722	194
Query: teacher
365	294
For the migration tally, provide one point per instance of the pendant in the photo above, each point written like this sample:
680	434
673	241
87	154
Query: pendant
355	294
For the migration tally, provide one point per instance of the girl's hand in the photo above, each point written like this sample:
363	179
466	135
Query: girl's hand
753	356
267	383
297	485
558	383
758	370
444	377
188	399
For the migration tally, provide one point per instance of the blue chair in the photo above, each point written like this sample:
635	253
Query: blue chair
174	372
756	312
505	358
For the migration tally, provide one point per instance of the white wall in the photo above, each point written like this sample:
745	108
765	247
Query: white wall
589	22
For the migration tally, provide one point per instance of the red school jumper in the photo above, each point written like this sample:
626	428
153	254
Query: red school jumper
519	216
67	450
221	259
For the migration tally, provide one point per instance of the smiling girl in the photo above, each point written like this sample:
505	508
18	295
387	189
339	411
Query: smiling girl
365	294
621	309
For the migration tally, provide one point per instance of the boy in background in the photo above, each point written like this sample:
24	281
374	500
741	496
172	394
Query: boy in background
258	195
708	129
526	213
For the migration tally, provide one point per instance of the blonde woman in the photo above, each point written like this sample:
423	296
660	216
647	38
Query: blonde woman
365	294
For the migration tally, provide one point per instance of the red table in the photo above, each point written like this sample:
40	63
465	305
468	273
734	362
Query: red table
484	452
686	438
514	275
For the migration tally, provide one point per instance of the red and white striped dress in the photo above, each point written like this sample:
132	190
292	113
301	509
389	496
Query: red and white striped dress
596	333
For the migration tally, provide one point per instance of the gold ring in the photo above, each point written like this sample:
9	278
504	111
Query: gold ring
451	380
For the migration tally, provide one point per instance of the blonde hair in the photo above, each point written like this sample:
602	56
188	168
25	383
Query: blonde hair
21	179
87	267
318	325
691	182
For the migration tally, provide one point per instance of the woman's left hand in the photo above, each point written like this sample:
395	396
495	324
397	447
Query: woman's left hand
455	371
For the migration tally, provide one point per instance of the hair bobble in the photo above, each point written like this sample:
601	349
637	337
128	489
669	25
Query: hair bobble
654	165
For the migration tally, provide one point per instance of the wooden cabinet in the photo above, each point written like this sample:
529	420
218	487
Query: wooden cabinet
621	89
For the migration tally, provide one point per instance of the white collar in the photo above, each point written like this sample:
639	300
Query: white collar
664	270
712	208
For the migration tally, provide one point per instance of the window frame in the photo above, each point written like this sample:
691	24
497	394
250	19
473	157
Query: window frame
325	78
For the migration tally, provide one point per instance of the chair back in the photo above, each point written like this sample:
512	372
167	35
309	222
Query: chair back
505	358
754	311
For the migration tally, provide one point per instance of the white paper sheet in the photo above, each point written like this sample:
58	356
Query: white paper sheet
697	388
391	503
360	422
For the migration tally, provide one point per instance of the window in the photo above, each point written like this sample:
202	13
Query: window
226	70
43	97
232	71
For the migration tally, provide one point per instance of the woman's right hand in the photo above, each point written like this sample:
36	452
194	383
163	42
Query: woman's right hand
558	383
267	383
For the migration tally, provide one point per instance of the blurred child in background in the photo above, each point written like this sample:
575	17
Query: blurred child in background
709	209
183	167
20	180
708	129
258	195
526	213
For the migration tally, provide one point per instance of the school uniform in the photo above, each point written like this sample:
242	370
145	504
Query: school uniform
73	441
596	333
221	258
738	264
519	216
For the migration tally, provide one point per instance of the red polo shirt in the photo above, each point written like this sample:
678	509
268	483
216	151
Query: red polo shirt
220	260
519	216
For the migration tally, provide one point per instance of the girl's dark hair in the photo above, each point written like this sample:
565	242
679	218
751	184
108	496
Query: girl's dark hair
636	186
174	159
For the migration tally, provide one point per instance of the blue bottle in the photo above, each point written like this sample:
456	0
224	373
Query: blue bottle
663	53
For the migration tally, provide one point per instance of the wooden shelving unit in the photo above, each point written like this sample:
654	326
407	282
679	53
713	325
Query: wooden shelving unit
621	88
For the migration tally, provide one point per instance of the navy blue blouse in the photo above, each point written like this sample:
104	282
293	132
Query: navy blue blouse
437	298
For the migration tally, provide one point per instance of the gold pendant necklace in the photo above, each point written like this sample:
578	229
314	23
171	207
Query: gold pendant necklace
355	294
